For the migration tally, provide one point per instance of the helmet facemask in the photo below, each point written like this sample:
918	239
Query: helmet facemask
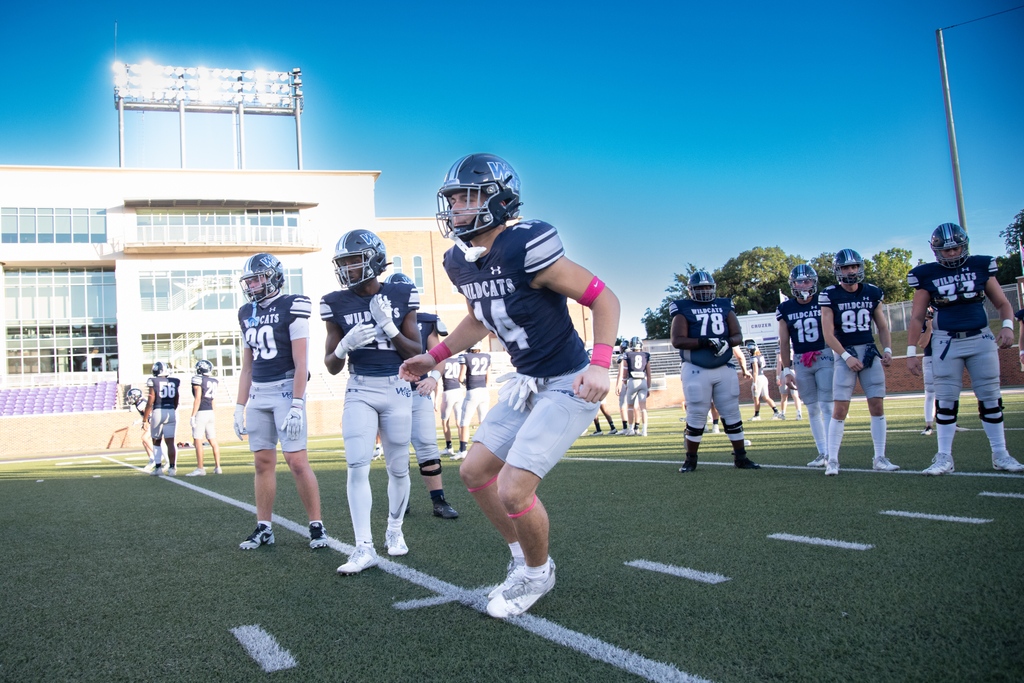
258	286
804	288
949	236
352	273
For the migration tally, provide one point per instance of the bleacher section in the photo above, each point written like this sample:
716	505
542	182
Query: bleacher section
72	399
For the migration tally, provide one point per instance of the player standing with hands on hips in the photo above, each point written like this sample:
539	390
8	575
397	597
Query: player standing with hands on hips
516	279
956	284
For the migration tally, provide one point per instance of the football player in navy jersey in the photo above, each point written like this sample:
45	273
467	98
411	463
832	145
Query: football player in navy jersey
452	395
847	311
271	405
800	337
956	285
516	279
705	329
476	372
138	401
161	416
204	420
635	381
425	391
372	326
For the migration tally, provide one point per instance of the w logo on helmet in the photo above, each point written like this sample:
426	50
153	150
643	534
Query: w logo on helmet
503	173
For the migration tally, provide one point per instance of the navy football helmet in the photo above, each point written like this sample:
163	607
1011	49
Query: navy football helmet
803	282
491	187
262	277
400	277
950	236
160	368
373	257
623	346
636	344
203	367
134	396
848	257
702	287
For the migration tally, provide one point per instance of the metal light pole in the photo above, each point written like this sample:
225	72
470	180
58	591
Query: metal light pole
954	157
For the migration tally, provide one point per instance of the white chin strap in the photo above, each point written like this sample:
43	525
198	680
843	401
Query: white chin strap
471	253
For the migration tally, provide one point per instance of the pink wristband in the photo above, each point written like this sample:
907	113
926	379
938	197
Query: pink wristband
440	352
593	290
602	355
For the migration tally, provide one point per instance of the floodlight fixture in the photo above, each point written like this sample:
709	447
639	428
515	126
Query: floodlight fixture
150	87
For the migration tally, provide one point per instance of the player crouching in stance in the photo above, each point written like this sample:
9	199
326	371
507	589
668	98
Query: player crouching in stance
270	404
372	325
847	311
516	279
705	329
956	284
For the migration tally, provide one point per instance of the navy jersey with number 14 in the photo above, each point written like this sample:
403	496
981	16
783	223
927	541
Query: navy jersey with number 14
533	324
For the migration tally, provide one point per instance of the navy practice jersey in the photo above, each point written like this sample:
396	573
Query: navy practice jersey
533	324
346	309
428	323
477	365
704	320
958	294
166	391
267	330
852	312
207	388
804	324
636	363
450	373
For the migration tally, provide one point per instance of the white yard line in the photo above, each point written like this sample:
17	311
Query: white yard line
701	463
264	648
1001	495
477	599
683	572
937	518
832	543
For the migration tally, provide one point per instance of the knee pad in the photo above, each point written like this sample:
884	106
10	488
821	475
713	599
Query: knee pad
945	412
398	474
694	434
991	411
430	468
733	428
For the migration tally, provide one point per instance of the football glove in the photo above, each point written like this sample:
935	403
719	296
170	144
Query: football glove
360	335
292	425
719	346
192	422
382	312
240	420
517	390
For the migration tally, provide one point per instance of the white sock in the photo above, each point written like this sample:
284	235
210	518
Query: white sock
539	573
360	502
878	435
929	409
835	438
819	427
517	551
996	436
944	435
265	523
398	497
158	454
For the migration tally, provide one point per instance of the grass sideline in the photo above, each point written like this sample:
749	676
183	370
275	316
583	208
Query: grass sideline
113	575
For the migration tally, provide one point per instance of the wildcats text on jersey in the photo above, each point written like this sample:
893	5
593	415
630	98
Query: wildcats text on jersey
853	305
266	319
487	289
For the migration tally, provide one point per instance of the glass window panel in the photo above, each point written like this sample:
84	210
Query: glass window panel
62	226
45	228
80	226
27	229
8	227
417	271
78	301
396	264
97	228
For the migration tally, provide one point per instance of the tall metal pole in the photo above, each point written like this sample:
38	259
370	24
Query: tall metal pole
181	129
120	132
241	136
954	157
298	133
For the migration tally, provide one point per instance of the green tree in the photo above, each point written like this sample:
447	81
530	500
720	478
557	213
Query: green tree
1009	269
888	270
822	264
657	323
755	277
1013	234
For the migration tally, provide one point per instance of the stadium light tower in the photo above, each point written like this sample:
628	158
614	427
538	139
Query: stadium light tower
151	87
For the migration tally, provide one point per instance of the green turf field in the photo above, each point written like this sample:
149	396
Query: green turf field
109	574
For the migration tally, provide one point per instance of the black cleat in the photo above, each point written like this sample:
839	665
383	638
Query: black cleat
746	464
444	510
688	466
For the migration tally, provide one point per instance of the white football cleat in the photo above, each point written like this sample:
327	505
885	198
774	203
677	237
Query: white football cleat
521	595
883	465
1002	460
831	468
820	461
363	558
394	539
942	463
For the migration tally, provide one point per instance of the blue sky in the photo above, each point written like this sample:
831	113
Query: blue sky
651	136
